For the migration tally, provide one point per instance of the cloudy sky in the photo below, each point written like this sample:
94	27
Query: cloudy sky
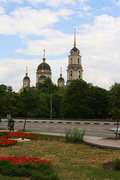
27	27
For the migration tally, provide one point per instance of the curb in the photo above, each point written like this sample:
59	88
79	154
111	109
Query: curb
102	143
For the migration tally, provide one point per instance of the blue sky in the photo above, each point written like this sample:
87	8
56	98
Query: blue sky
27	27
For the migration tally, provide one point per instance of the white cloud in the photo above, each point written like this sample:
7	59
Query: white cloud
14	1
102	34
81	7
56	3
99	43
2	10
117	2
30	21
105	8
100	47
12	71
52	3
55	43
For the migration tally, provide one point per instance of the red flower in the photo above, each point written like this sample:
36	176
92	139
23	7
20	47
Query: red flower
24	160
17	135
4	141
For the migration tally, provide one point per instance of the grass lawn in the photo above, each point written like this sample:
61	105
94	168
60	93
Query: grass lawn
71	161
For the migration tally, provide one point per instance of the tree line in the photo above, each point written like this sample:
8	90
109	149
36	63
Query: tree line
78	100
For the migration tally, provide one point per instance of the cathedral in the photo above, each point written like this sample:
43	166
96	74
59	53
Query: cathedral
74	69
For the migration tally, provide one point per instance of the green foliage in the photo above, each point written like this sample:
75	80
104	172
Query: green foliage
41	171
83	100
116	164
100	174
74	135
76	100
8	102
115	112
114	101
3	133
3	90
47	86
47	137
35	102
28	102
99	102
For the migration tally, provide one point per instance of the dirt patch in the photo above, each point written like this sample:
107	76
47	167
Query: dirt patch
109	166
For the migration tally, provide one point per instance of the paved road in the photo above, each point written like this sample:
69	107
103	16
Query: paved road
98	129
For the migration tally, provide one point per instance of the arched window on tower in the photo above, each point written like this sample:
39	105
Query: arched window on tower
79	74
70	74
71	61
78	61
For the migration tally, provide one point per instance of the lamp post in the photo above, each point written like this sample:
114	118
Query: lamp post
51	106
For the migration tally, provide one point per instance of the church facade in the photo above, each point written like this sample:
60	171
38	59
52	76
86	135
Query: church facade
74	69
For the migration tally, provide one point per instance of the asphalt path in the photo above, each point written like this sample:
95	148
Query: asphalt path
59	127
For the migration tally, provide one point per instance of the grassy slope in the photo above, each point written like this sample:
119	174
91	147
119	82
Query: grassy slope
72	161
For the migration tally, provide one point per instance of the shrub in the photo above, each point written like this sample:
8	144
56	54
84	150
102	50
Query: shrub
39	175
34	168
3	133
116	164
74	135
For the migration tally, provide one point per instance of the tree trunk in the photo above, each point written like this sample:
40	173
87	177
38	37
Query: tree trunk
24	124
51	107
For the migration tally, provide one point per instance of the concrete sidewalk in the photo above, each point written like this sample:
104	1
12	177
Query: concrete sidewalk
94	141
102	142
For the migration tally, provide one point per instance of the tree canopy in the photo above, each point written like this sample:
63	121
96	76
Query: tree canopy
114	101
78	100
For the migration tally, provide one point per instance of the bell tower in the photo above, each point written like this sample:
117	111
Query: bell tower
26	79
61	79
74	69
43	70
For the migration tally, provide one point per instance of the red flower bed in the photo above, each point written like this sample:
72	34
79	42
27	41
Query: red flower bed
24	160
6	142
17	135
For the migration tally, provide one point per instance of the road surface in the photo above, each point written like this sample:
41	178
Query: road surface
92	128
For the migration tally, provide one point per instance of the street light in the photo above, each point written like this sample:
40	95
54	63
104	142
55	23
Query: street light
51	106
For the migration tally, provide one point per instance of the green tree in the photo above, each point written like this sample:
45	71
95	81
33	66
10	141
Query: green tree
114	103
11	101
34	103
77	100
114	96
8	102
47	86
3	90
99	102
56	104
28	102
